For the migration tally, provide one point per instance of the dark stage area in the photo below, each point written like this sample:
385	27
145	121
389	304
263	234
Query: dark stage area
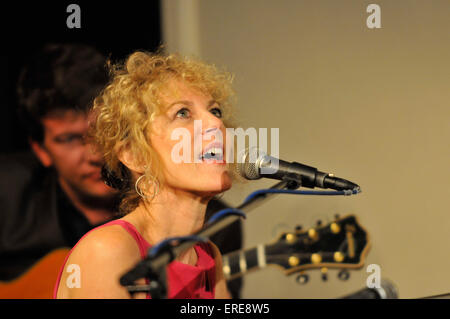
115	30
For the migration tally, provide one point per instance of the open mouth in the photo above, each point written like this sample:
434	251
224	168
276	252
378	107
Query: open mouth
213	153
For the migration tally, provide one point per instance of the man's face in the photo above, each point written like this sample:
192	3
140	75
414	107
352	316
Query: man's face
77	164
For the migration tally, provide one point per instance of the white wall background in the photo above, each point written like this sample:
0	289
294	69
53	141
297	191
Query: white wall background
370	105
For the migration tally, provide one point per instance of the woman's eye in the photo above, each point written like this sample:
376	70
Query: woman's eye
216	112
183	113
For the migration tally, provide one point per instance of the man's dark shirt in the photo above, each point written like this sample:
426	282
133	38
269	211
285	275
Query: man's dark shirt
36	217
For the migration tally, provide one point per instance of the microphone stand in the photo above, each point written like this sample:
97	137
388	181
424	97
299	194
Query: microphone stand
154	267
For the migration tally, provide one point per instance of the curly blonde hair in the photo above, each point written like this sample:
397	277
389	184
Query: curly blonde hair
124	110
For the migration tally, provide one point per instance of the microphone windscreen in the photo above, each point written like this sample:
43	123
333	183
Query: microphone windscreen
246	166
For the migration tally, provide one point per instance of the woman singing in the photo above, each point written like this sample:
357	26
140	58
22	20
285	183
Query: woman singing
150	97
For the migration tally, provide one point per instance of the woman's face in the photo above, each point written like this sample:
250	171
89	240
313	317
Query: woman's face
189	137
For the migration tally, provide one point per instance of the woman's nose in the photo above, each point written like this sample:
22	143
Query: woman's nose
211	130
211	123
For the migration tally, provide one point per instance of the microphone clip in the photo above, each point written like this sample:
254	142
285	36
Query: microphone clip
155	281
292	180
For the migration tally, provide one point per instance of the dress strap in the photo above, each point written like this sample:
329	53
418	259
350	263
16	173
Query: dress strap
141	242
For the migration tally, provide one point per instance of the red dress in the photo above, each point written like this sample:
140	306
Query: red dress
184	281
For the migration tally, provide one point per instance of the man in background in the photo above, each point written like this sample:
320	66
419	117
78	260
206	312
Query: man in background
51	197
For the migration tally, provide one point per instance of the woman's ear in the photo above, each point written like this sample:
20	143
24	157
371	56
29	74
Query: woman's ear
125	155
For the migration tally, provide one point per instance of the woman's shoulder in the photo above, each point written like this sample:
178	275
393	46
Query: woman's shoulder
100	257
110	239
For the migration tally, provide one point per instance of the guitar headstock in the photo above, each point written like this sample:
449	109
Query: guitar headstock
341	244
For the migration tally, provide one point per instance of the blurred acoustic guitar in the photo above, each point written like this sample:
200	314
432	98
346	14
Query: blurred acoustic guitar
342	244
38	281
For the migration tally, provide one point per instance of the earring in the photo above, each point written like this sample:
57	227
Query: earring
139	191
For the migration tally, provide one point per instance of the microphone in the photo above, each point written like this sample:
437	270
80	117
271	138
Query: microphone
256	164
387	290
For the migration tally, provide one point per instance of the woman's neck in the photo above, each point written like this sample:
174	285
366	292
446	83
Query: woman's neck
171	213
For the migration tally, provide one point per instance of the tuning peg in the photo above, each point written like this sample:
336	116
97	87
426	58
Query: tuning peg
302	279
293	261
324	272
319	222
343	275
335	228
316	258
338	256
298	227
291	238
312	233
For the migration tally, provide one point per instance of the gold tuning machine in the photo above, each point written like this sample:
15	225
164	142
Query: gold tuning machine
312	233
338	257
335	228
293	261
291	238
316	258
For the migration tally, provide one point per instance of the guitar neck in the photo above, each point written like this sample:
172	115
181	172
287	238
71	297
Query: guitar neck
340	244
240	262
